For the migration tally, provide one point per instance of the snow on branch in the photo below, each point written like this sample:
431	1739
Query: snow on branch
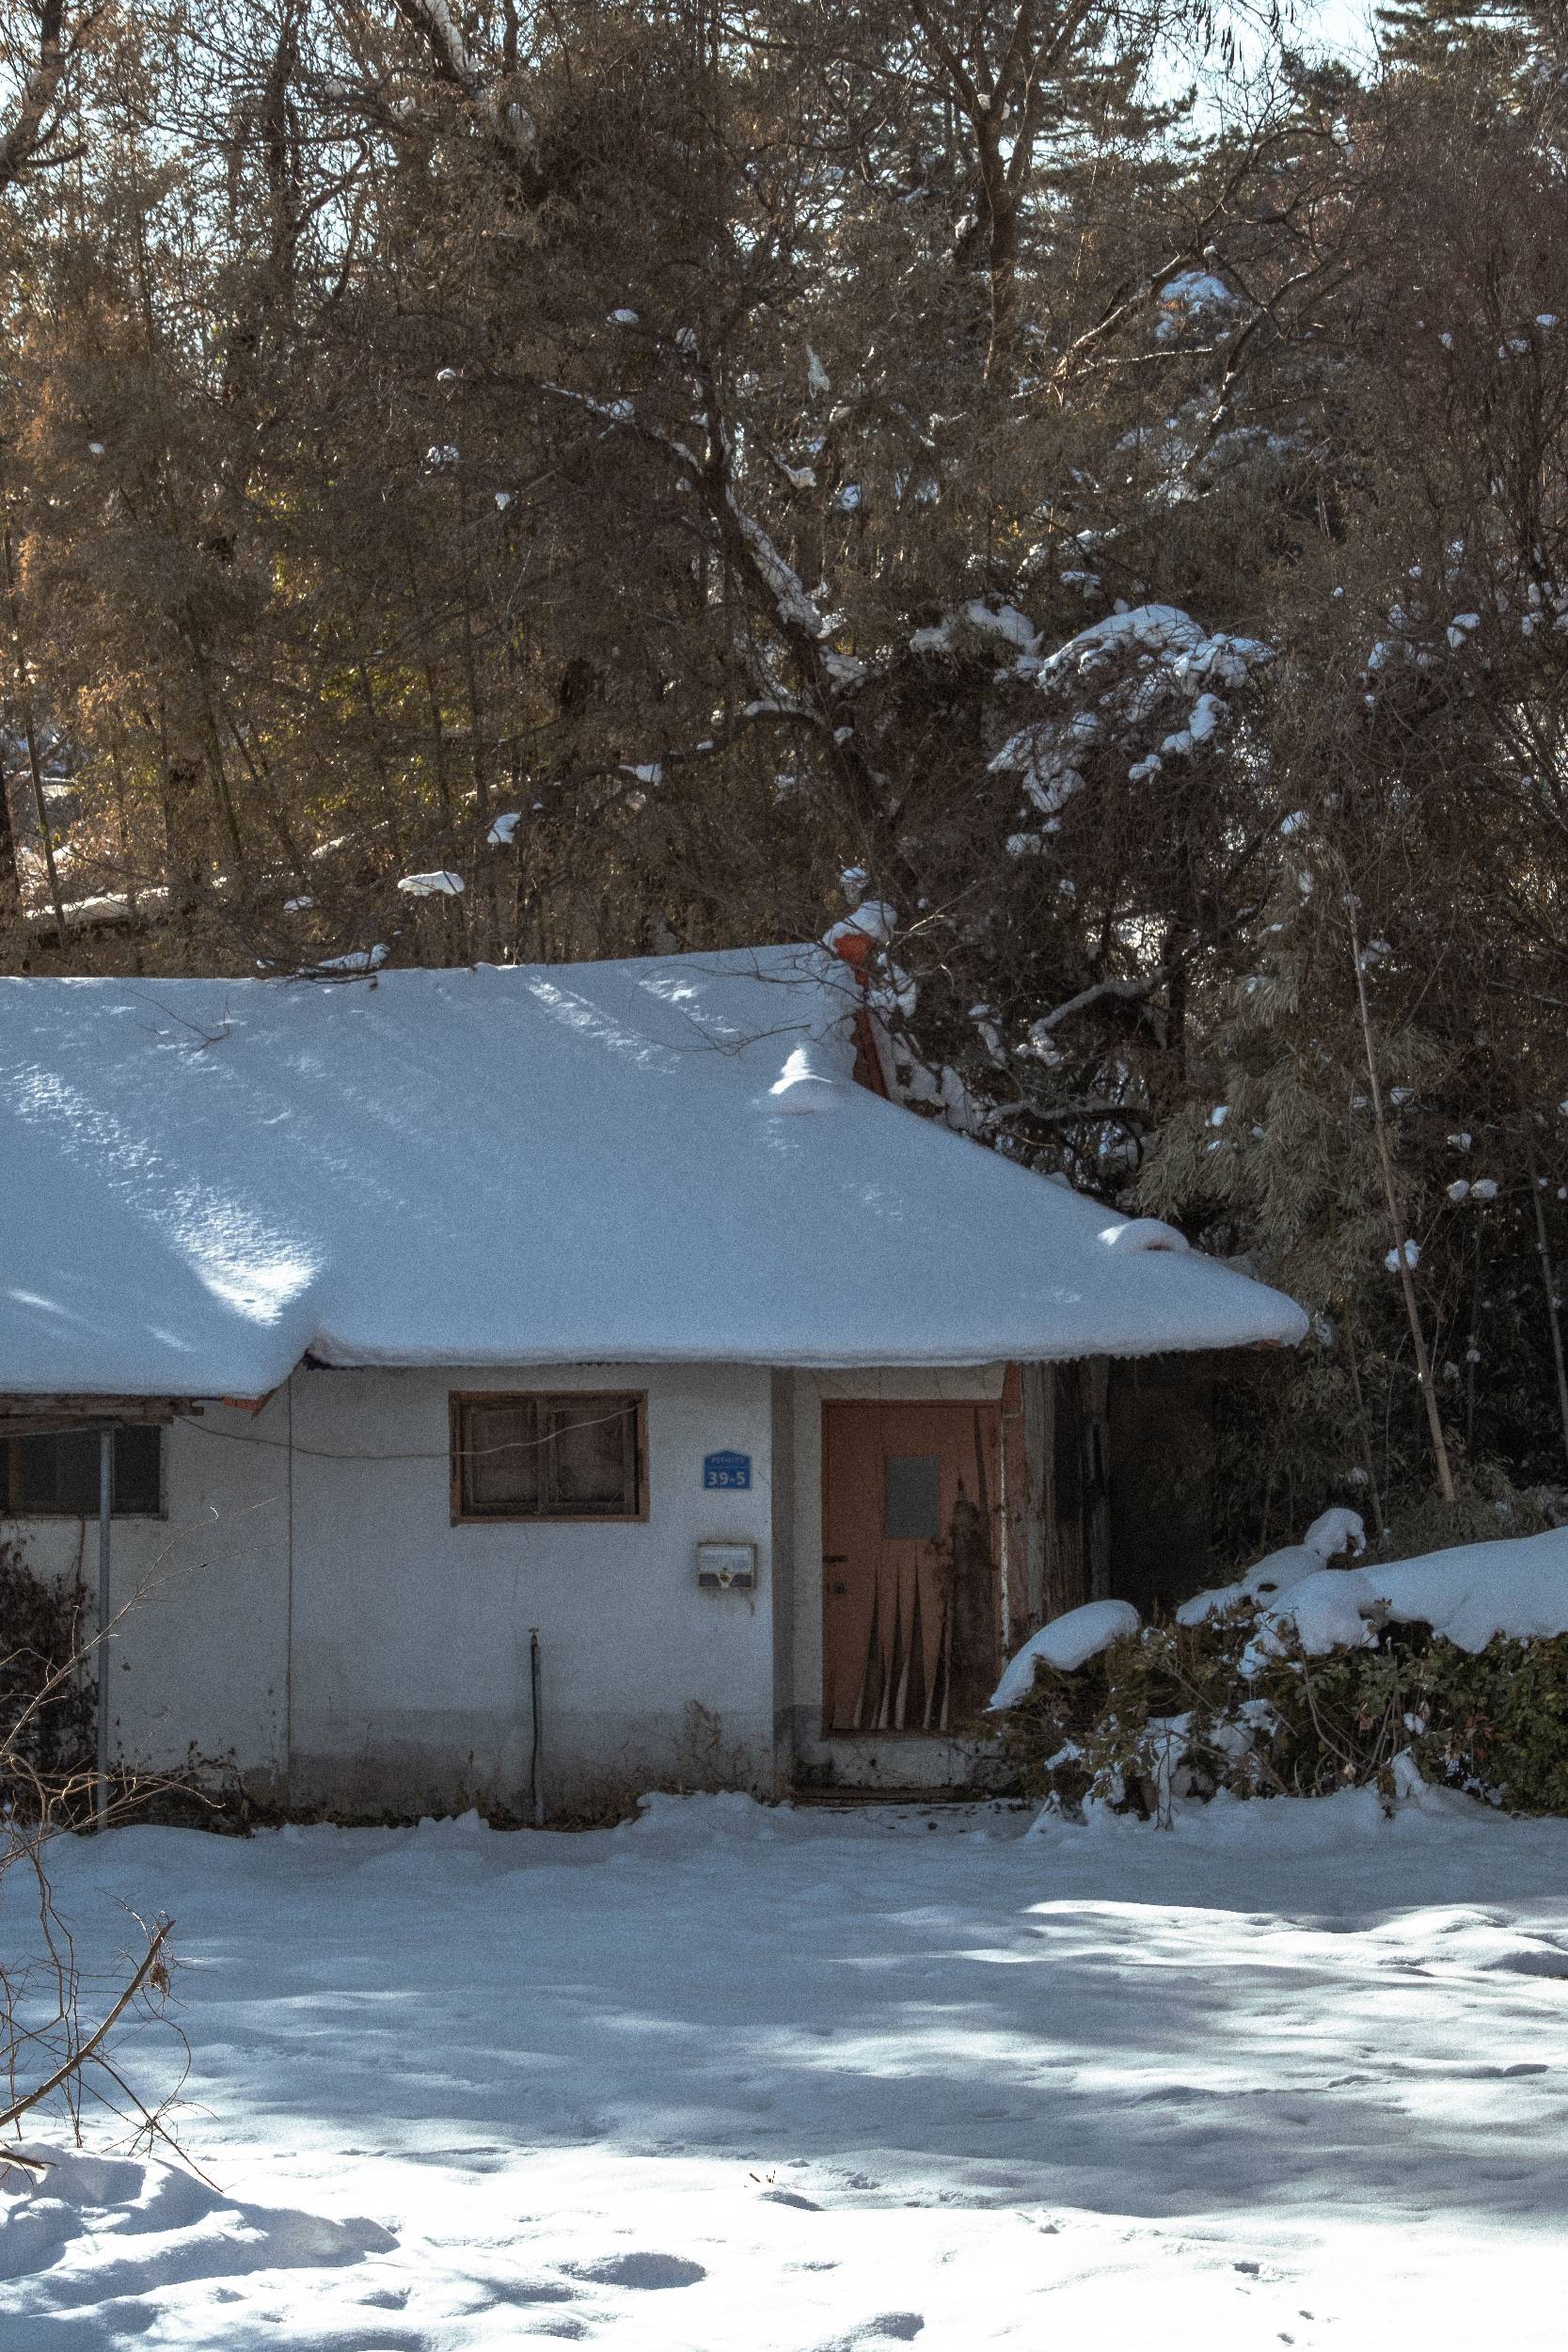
1168	634
977	620
1127	991
1146	683
434	24
433	19
795	609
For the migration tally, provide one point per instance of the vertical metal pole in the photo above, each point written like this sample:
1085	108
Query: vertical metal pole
536	1772
105	1512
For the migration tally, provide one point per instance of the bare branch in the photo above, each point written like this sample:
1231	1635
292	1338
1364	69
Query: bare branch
72	2063
21	146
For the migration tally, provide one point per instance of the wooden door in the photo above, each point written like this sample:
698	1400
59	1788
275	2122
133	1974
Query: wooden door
911	1533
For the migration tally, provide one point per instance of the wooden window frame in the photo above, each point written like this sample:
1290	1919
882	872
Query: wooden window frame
458	1399
14	1512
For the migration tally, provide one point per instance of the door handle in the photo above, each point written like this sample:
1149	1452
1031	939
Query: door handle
835	1559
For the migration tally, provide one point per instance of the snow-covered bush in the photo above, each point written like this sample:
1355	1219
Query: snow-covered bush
53	2048
1166	1711
1235	1701
46	1706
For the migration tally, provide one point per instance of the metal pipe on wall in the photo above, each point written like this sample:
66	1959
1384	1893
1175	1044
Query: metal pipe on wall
537	1780
105	1516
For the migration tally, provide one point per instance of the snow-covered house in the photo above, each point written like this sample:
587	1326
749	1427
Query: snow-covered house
567	1377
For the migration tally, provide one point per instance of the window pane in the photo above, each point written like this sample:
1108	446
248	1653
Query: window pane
912	1498
500	1458
547	1457
59	1474
55	1474
594	1456
35	1473
137	1486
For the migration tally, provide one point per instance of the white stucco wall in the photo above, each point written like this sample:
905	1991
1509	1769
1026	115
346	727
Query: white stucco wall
320	1623
410	1682
307	1612
198	1663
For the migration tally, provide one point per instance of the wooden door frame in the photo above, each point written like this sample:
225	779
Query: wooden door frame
987	1415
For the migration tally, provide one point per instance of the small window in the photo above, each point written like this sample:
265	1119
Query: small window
55	1475
576	1456
912	1499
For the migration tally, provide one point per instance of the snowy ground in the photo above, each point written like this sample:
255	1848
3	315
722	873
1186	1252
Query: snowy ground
733	2080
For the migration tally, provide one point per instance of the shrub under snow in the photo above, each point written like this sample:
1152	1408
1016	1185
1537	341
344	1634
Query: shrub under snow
1301	1678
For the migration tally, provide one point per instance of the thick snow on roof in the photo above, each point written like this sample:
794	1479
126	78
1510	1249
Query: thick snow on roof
204	1179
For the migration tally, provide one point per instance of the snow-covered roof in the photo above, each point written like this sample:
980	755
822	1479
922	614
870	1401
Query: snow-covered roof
203	1179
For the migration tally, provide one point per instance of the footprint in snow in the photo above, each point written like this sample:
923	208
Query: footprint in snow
887	2328
1544	1960
502	2289
639	2270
